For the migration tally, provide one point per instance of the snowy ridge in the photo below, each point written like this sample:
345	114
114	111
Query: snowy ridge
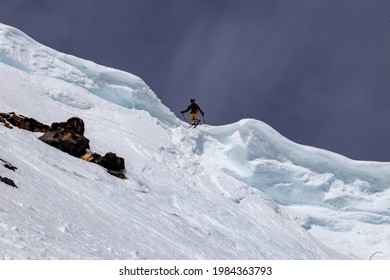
325	192
21	52
240	191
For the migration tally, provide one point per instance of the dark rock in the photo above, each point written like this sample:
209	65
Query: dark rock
68	137
67	141
111	161
74	144
8	165
74	124
22	122
52	138
8	181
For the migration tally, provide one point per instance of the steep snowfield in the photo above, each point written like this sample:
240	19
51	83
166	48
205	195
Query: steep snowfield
240	191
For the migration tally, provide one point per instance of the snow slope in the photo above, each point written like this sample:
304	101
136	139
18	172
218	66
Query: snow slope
343	203
239	191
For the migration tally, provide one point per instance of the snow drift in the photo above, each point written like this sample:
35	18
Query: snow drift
240	191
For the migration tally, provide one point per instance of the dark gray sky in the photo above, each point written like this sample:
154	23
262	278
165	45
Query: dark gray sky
318	71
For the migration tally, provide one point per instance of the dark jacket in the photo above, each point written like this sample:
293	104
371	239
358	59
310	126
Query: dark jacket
193	108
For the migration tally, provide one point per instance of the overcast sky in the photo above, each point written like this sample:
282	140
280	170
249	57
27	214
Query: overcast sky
318	71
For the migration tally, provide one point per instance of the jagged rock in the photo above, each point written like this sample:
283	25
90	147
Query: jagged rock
22	122
52	138
8	181
74	124
74	144
114	164
68	137
67	141
111	161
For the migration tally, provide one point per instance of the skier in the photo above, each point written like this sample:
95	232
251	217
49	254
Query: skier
193	108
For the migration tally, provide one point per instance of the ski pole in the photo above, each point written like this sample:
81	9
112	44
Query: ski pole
204	120
184	117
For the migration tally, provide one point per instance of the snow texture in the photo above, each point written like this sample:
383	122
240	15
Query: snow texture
239	191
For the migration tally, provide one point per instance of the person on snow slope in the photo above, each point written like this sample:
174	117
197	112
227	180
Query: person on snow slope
194	112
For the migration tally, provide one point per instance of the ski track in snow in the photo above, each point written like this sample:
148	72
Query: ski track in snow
240	191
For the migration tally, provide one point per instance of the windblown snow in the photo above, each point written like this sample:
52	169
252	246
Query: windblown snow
239	191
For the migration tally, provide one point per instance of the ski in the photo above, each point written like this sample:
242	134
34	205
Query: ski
195	124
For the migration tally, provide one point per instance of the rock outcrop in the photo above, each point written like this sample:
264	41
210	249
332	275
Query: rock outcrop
68	137
22	122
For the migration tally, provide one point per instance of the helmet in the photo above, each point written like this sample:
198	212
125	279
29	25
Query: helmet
192	100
